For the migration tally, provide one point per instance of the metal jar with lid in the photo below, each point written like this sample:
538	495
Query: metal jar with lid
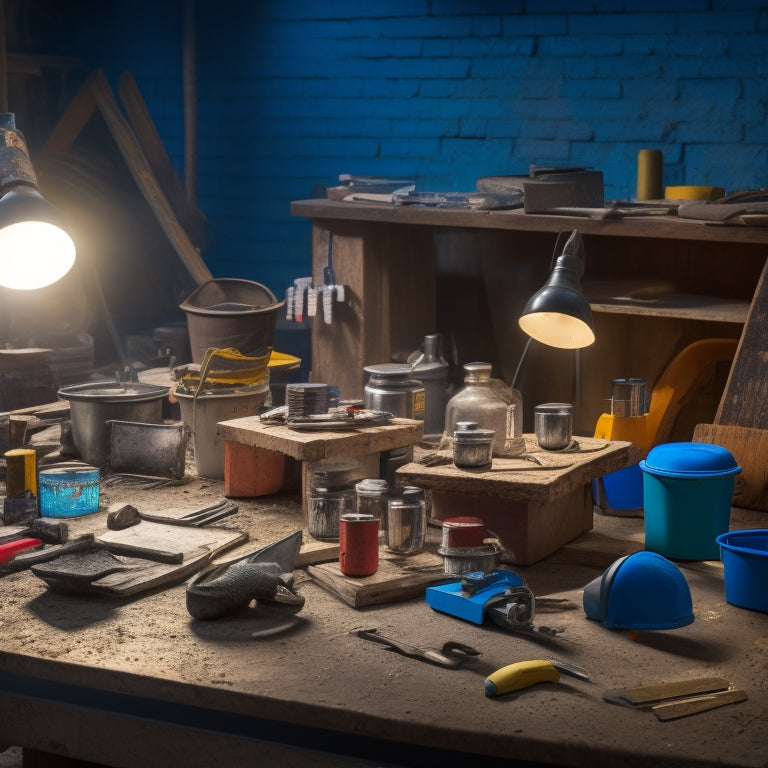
390	388
472	446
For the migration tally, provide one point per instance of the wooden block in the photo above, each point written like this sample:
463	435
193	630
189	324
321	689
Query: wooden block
317	445
398	578
529	530
749	447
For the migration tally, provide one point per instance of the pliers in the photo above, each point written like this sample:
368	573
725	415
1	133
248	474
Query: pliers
451	655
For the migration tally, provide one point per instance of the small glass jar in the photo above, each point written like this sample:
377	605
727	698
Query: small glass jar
325	508
372	499
330	494
407	521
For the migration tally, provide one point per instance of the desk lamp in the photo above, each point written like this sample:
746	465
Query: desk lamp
558	314
35	251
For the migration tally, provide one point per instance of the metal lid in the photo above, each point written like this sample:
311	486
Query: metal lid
112	391
690	460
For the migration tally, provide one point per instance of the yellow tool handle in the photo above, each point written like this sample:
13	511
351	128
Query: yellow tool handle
520	675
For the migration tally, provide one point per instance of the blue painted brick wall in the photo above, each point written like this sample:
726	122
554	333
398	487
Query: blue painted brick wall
442	91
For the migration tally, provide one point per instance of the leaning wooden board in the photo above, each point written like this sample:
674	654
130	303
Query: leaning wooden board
741	422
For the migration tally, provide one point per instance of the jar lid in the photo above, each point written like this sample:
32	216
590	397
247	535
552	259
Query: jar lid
468	431
372	485
553	408
690	460
357	517
389	370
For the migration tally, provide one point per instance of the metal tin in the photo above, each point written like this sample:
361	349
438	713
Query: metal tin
553	423
358	544
391	388
463	532
460	560
472	446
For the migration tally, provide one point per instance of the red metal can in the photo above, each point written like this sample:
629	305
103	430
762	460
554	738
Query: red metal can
358	544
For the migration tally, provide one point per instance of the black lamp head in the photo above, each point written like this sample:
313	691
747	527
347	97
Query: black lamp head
558	314
35	250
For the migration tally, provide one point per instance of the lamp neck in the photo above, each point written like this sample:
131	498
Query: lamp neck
15	166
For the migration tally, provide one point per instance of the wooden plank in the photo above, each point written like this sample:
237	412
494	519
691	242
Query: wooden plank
316	445
97	91
749	447
398	578
544	476
152	145
747	386
169	543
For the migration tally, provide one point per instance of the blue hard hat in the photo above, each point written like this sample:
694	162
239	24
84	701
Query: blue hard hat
640	591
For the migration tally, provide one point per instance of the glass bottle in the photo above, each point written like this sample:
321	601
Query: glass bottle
489	403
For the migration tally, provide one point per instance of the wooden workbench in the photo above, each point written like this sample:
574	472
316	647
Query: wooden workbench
140	683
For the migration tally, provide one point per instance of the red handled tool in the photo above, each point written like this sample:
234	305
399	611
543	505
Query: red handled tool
12	548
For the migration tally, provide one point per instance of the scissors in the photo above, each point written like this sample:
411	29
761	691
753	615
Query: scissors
451	655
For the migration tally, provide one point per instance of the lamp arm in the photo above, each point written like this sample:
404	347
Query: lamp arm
521	361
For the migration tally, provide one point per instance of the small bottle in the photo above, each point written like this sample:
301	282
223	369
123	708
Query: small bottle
407	521
480	400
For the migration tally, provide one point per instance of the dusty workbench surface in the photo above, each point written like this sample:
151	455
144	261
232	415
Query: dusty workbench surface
311	672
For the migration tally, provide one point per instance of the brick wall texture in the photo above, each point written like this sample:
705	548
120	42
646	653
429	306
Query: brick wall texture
292	93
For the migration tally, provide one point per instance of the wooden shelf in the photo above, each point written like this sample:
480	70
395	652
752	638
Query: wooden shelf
681	306
654	227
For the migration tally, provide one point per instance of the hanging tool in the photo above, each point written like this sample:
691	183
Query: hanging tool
523	674
451	655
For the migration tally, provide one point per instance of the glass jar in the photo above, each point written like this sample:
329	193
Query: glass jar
407	521
486	402
330	494
372	499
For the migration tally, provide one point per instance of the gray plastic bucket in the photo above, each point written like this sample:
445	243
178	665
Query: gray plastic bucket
202	415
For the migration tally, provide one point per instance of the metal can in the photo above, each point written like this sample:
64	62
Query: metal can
391	388
358	544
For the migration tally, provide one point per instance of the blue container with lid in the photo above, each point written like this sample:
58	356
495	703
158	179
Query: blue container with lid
687	493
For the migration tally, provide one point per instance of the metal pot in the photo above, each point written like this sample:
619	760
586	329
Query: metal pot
92	404
391	388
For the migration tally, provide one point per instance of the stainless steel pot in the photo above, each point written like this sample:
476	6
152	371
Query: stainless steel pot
92	404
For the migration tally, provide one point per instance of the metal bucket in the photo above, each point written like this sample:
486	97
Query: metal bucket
147	449
229	312
92	404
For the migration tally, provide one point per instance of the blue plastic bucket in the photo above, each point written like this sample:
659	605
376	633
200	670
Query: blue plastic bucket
745	567
687	493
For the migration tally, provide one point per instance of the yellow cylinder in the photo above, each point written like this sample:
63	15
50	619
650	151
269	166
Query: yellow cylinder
650	172
21	471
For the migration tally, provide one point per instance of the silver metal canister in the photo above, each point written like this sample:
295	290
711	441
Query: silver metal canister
391	388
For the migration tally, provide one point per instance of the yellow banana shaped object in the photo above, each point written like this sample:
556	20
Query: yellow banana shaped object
520	675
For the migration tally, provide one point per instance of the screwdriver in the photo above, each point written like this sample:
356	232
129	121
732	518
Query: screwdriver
523	674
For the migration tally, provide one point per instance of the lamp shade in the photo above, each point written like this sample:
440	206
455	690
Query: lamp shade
34	250
558	314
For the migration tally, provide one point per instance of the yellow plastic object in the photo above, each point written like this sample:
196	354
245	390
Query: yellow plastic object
673	389
283	361
229	367
693	192
520	675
